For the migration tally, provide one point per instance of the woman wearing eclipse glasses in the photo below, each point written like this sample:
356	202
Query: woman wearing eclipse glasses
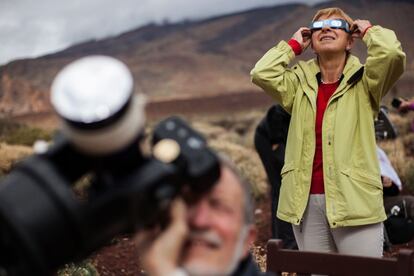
331	187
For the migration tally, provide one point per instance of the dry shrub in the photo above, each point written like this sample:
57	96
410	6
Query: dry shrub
395	152
214	132
408	141
401	150
248	163
401	156
239	127
17	134
408	177
402	122
10	155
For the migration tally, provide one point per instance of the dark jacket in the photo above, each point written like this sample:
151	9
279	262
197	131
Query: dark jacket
275	125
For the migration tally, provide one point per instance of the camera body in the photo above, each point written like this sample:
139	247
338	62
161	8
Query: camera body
396	102
44	225
384	128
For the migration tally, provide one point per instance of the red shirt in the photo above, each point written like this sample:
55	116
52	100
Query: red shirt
325	91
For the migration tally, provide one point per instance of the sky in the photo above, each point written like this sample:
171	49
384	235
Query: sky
31	28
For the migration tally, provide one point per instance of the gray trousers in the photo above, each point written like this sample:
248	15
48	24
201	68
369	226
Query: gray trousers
314	234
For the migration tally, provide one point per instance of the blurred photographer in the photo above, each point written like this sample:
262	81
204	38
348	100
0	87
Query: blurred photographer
209	235
102	122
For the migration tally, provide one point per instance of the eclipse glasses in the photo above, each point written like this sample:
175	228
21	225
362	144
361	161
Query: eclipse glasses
331	23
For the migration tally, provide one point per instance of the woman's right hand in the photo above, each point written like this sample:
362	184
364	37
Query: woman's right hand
303	36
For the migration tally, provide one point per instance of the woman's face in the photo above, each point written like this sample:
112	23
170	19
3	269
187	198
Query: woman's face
330	41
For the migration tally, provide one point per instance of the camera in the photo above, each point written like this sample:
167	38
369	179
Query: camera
44	225
384	128
396	102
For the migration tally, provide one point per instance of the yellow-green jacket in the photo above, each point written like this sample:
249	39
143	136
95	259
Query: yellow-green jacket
353	188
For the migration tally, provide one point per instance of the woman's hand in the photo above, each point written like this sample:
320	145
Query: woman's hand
303	36
359	28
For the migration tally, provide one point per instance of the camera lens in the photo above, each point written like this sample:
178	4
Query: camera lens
94	97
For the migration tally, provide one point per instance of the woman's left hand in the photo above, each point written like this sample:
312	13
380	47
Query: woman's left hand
359	27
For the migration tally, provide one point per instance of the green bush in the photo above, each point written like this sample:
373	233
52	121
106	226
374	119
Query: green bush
6	127
18	134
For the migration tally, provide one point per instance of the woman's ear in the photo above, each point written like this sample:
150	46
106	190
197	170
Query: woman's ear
350	43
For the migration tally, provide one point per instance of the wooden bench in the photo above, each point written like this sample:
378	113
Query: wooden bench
284	260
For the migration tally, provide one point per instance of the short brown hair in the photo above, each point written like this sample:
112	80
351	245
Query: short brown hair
333	11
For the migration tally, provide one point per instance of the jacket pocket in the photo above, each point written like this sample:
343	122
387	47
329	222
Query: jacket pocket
362	176
288	190
288	167
360	197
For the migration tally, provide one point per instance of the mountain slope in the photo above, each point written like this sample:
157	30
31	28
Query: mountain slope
196	59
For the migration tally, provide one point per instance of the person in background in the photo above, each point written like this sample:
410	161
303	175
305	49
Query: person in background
331	189
406	105
208	235
270	142
393	186
399	208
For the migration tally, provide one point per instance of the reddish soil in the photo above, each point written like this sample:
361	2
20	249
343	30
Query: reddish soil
120	258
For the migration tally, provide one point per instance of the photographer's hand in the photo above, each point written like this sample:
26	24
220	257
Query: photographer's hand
303	36
160	250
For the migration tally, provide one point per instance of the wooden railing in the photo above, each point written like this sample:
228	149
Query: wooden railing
302	262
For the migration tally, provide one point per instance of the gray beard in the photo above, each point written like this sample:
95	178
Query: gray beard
234	262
